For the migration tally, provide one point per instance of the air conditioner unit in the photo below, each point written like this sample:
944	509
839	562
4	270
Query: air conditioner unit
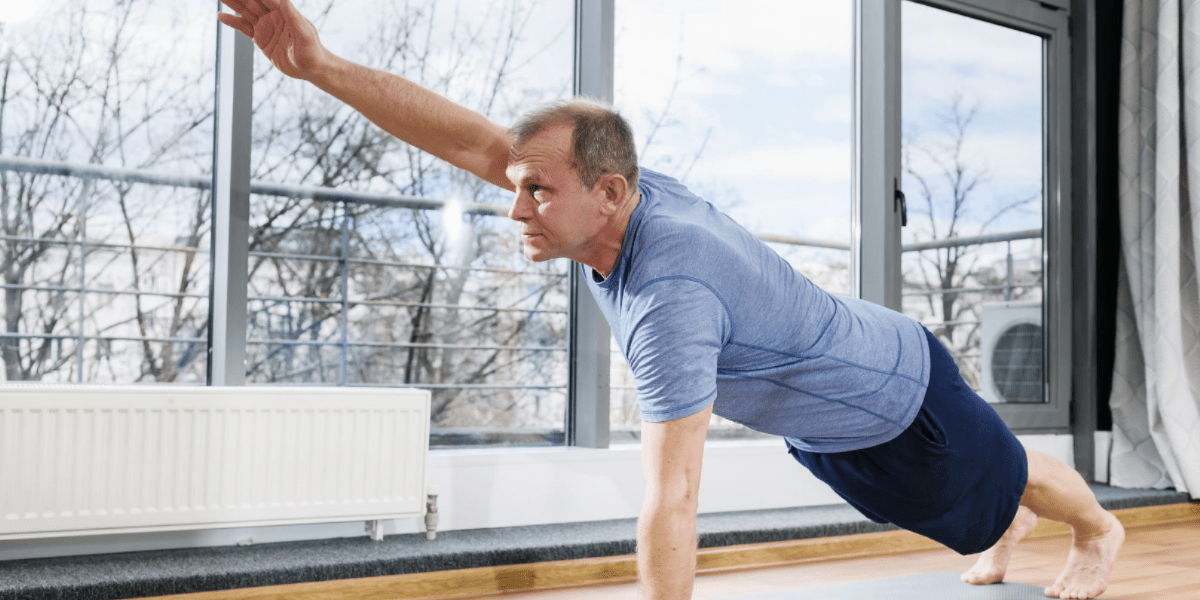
1012	352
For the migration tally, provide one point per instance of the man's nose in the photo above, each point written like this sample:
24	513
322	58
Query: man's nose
519	210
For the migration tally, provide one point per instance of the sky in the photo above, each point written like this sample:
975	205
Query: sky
18	11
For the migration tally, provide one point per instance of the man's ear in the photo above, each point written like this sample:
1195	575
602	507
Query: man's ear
615	188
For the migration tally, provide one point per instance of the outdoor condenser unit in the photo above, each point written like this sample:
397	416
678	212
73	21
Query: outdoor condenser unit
1012	352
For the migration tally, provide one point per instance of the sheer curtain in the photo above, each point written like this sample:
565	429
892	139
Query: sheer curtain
1156	379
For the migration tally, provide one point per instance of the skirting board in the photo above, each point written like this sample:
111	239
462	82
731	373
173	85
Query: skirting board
491	581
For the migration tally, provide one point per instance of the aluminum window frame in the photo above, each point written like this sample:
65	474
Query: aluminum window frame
587	419
876	226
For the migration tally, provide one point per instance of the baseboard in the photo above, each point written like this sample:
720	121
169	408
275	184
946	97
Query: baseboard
490	581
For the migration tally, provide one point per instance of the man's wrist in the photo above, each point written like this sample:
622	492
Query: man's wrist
332	73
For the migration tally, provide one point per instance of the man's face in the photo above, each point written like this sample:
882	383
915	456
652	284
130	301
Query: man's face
558	217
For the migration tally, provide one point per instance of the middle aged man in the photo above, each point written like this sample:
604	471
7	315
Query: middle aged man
712	321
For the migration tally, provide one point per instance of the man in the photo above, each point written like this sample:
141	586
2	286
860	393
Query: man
711	320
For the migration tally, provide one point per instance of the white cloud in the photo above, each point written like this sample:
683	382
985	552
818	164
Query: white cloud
944	53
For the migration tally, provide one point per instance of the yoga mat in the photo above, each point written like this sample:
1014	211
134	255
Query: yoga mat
927	586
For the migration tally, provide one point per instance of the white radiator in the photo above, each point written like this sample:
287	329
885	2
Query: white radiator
84	460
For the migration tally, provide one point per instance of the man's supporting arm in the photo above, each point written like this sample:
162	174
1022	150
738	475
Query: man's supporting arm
418	116
672	454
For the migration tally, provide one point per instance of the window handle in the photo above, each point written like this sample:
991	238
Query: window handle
903	205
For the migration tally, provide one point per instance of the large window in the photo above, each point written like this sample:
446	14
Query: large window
984	163
382	290
370	263
105	162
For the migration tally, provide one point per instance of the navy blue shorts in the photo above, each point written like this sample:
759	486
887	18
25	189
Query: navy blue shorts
956	475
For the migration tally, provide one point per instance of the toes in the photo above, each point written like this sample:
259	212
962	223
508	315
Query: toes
982	576
1057	591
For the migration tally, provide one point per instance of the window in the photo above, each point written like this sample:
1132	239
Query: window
379	289
970	99
972	165
370	263
105	170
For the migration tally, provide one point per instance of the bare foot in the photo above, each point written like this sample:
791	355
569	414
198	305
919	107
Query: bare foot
993	563
1090	563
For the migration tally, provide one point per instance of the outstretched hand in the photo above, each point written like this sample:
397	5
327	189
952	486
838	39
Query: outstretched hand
283	34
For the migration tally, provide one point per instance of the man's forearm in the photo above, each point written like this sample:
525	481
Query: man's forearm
420	117
666	551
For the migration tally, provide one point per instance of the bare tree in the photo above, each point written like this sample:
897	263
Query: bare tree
88	87
421	308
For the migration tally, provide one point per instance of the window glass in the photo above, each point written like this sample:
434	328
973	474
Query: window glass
973	156
753	117
105	166
382	293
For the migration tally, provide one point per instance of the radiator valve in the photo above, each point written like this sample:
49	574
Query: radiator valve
431	512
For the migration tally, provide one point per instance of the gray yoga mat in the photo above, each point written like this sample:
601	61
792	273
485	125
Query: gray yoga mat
927	586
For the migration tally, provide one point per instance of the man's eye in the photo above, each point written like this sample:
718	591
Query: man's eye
534	188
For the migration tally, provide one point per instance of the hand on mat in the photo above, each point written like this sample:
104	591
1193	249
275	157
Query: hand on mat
281	32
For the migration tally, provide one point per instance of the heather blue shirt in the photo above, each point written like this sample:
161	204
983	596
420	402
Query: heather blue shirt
706	313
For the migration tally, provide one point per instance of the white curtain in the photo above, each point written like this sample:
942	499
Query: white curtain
1156	379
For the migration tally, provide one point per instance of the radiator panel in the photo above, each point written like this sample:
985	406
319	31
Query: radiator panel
104	459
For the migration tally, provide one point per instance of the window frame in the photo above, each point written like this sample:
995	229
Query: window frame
877	166
230	236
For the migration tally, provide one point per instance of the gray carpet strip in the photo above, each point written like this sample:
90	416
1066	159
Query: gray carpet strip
142	574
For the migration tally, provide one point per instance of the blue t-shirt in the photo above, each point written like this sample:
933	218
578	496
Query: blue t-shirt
706	313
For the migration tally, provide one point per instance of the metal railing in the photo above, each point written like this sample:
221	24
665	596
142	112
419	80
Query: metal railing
344	260
1008	237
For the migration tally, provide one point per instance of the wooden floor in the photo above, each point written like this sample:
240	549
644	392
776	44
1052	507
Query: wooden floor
1159	562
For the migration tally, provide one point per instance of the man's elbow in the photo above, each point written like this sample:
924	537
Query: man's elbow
484	154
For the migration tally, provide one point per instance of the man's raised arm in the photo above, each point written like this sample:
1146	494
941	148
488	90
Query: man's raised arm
418	116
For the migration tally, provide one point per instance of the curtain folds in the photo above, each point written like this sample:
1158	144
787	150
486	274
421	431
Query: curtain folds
1156	377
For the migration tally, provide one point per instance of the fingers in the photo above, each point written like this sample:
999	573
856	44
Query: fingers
237	23
252	7
239	7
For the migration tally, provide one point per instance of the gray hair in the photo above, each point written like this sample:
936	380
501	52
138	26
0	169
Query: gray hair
601	139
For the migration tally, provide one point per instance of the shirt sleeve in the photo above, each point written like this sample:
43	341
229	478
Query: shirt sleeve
678	328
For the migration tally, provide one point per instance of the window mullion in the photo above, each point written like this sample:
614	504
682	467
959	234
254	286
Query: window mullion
231	210
875	241
587	405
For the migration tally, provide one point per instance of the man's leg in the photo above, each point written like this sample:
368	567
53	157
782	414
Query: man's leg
1056	492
